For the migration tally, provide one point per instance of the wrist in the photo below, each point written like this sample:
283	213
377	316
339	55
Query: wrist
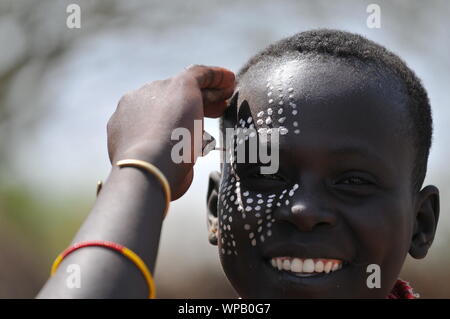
159	156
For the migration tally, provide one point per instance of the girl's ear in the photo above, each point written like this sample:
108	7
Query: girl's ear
427	216
211	202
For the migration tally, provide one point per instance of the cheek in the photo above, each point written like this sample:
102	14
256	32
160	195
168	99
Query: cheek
246	217
382	230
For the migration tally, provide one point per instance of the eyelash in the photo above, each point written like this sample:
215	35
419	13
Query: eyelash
347	181
274	177
364	181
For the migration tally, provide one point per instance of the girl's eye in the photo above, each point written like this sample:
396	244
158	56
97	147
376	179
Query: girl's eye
354	180
272	177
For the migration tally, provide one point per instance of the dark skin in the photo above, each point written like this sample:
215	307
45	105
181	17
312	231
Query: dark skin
130	205
330	216
353	164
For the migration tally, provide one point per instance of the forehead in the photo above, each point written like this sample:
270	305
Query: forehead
331	104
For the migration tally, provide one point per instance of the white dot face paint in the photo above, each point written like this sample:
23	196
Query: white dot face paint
242	209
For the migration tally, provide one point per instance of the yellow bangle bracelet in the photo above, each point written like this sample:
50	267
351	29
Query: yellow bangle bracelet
152	169
132	256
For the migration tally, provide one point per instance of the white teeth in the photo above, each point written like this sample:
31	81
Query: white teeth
279	264
318	266
296	265
273	262
308	266
327	268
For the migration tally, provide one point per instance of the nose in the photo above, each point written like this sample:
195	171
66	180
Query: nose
307	214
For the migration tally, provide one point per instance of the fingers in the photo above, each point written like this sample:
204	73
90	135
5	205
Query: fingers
216	85
214	101
211	77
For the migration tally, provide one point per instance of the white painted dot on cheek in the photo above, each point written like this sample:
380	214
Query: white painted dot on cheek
283	130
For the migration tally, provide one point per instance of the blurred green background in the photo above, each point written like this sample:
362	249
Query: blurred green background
58	87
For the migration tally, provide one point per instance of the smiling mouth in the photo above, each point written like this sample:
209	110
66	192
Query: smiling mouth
306	267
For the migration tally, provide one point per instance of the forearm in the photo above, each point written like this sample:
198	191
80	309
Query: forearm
128	211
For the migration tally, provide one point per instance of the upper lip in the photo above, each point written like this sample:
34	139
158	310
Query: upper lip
301	250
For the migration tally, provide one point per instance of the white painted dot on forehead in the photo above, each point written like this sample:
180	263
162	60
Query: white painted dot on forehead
260	114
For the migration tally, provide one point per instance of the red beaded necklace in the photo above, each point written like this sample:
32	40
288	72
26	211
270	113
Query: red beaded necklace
402	290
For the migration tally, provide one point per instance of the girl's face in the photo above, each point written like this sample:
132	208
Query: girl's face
341	199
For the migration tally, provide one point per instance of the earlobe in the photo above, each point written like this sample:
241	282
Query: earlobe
427	216
212	201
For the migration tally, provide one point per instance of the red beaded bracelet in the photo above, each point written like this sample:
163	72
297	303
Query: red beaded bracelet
116	247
